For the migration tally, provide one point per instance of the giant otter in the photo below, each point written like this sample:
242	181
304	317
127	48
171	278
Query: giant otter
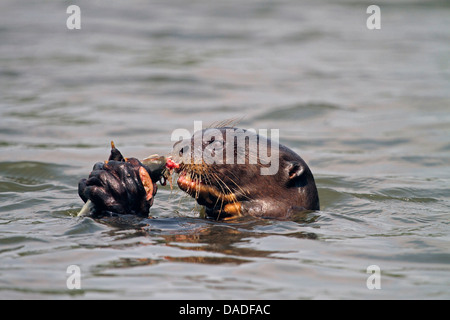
121	185
227	170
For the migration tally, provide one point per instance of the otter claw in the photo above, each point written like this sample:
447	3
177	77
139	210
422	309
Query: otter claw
87	209
111	193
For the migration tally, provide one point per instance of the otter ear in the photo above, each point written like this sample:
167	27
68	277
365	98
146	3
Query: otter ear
295	170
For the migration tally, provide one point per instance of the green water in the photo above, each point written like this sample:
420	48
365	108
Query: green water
368	110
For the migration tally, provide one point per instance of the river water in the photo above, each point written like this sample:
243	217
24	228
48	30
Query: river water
369	110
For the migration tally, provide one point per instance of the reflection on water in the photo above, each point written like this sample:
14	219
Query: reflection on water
368	111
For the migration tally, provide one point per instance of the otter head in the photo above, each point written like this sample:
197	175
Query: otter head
234	172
